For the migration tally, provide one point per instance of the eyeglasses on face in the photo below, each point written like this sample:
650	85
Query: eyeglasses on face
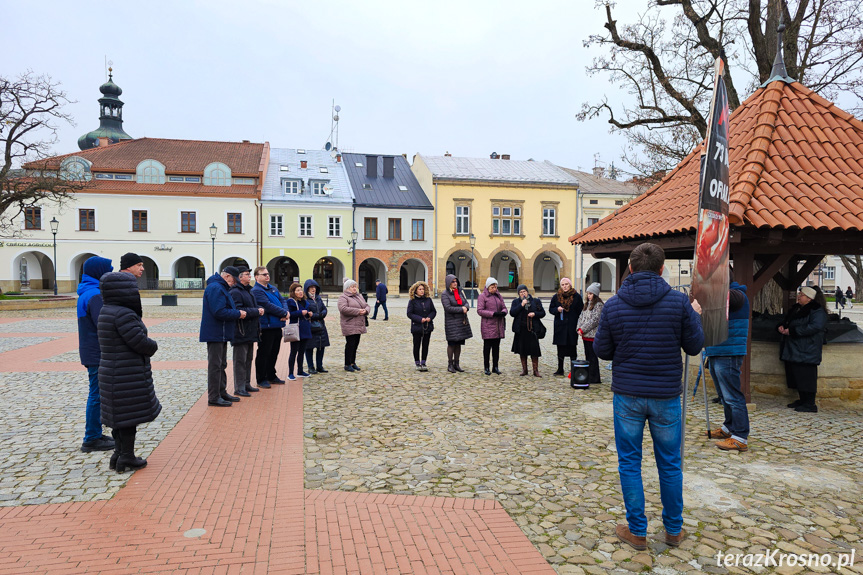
264	274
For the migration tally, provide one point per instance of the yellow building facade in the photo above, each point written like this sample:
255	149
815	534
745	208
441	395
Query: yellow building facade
499	218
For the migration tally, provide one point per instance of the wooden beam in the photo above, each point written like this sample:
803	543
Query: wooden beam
767	272
810	264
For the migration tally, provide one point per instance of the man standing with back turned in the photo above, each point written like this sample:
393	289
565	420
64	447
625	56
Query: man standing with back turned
642	329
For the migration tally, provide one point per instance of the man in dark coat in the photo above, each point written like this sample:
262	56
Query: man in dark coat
132	263
642	329
218	320
381	292
126	390
275	307
246	334
89	306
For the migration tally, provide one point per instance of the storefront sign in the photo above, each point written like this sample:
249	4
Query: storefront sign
26	244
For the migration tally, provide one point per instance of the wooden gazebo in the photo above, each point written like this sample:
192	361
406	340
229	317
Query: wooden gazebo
796	179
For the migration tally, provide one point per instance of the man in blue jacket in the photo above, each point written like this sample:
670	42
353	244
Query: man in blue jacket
218	320
381	292
275	307
725	362
89	306
642	329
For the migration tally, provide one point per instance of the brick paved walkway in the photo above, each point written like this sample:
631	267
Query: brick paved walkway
238	474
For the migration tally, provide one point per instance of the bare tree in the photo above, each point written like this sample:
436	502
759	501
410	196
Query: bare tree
664	62
854	265
31	106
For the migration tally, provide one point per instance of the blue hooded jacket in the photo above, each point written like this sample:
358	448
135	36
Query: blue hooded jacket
274	304
89	306
738	329
642	329
220	313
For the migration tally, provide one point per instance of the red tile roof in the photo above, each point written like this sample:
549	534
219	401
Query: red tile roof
168	189
178	156
796	162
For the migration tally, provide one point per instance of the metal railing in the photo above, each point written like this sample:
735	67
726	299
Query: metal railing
171	285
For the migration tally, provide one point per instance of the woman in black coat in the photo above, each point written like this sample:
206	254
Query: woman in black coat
421	312
125	379
566	306
803	332
456	325
320	335
528	328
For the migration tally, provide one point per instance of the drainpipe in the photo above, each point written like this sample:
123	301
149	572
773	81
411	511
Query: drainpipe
434	263
354	246
579	256
260	247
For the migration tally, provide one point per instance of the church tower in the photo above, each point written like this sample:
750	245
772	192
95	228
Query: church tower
110	118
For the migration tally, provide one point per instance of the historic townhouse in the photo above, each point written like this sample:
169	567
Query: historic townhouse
499	217
306	210
393	220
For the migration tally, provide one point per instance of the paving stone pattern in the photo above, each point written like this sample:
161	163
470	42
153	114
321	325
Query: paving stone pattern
170	349
61	325
11	343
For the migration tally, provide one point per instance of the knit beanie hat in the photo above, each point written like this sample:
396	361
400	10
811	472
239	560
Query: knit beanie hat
130	259
809	292
348	284
490	282
521	287
593	288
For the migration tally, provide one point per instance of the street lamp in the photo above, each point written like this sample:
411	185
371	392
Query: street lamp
472	269
353	244
213	230
54	225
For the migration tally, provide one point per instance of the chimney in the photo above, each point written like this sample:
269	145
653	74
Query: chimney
504	157
389	166
598	171
447	154
104	142
372	166
246	142
338	158
494	156
304	164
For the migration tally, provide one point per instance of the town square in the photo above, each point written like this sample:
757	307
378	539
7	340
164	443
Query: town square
433	289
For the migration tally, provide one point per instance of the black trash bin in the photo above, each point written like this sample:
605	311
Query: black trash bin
169	299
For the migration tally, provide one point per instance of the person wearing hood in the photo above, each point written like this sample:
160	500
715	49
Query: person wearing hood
456	325
588	321
802	333
643	329
320	335
527	313
89	306
353	318
275	307
246	333
725	360
421	312
566	306
492	327
299	313
218	322
126	390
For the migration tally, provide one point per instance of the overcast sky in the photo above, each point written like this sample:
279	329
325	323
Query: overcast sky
468	77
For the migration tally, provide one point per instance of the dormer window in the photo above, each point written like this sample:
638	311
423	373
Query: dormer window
75	168
291	186
217	174
150	172
318	187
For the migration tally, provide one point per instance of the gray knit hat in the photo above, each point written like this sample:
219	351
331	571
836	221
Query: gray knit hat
348	284
593	288
490	282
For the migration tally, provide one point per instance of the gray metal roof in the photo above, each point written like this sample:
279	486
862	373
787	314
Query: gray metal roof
317	159
488	170
590	184
384	192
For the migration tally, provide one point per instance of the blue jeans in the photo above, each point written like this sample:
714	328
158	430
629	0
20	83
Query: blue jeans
663	418
725	370
382	304
93	417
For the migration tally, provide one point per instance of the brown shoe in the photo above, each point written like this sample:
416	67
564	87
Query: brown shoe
634	541
675	540
731	444
717	434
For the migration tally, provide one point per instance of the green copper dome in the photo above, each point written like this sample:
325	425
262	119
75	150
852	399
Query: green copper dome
110	117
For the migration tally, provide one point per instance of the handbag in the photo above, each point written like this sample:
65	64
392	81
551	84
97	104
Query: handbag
317	326
291	332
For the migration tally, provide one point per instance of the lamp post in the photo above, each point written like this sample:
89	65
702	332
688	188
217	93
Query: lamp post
353	244
472	269
213	230
54	225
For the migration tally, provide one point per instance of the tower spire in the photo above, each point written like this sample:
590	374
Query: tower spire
110	117
779	72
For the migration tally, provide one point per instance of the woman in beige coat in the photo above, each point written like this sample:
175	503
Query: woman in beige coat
353	313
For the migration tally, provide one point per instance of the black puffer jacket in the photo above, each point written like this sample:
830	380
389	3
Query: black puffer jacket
807	326
125	378
456	324
248	329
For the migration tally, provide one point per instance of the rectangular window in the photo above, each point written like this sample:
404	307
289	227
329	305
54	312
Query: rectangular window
516	227
122	176
462	220
495	226
506	227
244	181
829	272
188	222
276	228
618	202
139	220
594	202
395	229
87	220
334	227
591	221
370	229
305	226
318	187
32	218
506	220
291	186
418	231
235	223
104	176
549	221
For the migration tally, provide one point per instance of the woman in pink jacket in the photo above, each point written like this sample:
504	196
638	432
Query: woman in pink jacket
492	309
353	311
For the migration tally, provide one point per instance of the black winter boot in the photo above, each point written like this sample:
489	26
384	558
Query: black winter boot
112	463
450	367
559	371
127	457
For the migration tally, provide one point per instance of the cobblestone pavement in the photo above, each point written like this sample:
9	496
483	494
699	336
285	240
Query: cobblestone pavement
545	451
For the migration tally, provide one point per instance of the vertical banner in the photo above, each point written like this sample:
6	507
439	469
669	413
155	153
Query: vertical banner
710	279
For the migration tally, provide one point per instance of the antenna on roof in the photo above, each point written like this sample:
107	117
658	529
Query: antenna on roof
332	144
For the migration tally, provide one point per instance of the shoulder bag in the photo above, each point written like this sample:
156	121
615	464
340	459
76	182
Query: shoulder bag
291	332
